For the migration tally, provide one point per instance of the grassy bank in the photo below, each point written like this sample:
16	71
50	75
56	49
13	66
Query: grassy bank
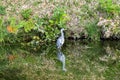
39	21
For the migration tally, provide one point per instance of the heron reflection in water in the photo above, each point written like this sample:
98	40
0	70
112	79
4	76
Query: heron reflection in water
61	58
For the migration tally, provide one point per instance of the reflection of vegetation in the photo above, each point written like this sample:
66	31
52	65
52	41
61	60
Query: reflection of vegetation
81	59
25	63
12	74
88	57
111	60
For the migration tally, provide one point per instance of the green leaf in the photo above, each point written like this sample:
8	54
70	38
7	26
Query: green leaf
29	25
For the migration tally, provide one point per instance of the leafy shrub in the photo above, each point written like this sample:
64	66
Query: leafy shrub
2	10
12	26
59	17
26	25
7	33
51	26
26	13
56	22
45	29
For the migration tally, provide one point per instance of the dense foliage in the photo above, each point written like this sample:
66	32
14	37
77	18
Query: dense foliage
33	29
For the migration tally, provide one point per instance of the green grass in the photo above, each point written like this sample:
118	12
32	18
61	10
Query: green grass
36	3
26	14
93	31
2	10
110	7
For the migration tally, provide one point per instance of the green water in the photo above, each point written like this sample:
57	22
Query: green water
83	61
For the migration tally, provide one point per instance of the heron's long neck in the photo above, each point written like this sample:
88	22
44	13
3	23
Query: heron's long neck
62	34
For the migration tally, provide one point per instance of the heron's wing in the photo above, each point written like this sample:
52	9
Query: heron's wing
59	42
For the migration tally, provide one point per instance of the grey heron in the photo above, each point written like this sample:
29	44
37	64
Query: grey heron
60	40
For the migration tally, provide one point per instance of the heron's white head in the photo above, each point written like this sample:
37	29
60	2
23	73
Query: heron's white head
62	29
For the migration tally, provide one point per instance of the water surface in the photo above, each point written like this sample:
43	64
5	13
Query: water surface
82	60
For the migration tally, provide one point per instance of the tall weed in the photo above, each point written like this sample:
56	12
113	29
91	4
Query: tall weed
93	31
